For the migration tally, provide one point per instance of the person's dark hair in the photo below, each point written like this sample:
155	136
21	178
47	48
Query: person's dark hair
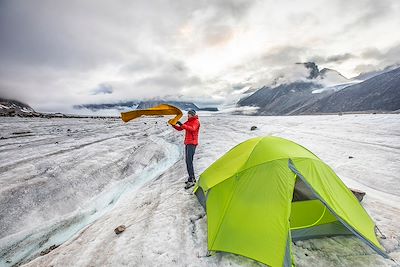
192	112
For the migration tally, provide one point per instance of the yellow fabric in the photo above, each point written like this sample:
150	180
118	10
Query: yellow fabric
163	109
336	195
248	214
309	213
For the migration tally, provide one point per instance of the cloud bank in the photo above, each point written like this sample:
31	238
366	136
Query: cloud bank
56	54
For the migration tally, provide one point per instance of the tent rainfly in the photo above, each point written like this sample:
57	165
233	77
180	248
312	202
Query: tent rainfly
268	191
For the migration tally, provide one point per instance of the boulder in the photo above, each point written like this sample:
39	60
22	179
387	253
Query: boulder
119	229
358	194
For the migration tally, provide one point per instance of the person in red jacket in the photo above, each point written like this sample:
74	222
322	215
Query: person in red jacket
191	127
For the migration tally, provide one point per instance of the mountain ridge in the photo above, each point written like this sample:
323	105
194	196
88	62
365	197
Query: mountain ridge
380	93
11	107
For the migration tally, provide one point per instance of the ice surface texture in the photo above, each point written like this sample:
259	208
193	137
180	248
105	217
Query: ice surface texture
66	172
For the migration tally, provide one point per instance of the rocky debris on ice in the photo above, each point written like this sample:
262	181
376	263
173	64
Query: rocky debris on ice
358	194
119	229
48	250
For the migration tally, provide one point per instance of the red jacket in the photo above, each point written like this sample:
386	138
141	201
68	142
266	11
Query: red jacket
191	127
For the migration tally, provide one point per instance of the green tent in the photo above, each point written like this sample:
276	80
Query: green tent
268	191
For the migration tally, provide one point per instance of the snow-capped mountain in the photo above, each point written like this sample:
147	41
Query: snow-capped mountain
330	76
145	104
10	107
283	99
367	75
118	106
313	71
326	76
329	91
379	93
287	98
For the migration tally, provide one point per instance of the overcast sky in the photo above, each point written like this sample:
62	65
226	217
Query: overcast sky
55	54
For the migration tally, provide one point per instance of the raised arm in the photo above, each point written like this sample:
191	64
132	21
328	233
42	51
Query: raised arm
191	128
179	128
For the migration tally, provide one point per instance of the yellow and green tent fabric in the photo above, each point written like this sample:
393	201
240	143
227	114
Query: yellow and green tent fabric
163	109
268	191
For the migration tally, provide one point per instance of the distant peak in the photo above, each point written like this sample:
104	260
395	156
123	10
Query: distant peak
14	107
14	103
334	75
312	67
326	70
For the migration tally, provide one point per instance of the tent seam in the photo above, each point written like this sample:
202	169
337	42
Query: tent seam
253	167
250	154
223	217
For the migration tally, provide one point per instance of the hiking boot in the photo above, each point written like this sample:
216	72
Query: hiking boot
190	180
190	184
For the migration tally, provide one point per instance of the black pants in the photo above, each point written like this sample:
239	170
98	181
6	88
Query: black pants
189	153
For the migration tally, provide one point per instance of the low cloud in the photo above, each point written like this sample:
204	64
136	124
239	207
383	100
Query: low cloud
372	12
379	58
103	88
283	55
339	58
364	68
392	54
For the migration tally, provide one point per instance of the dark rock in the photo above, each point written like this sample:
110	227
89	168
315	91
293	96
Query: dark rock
119	229
350	157
253	128
358	194
26	132
313	68
48	250
208	109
